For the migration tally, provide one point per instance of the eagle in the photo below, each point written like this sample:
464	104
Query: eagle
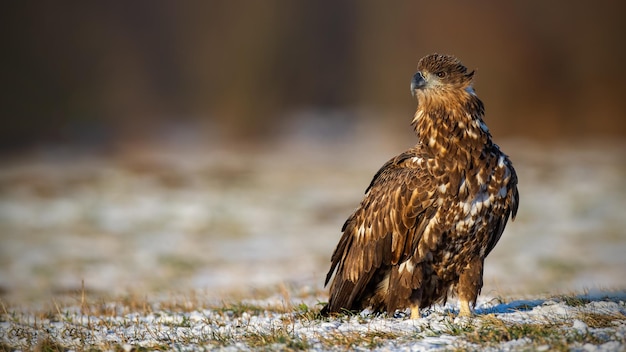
432	214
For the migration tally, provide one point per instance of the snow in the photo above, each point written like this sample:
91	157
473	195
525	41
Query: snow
233	330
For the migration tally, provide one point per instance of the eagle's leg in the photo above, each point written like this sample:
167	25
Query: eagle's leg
415	312
470	283
464	309
416	300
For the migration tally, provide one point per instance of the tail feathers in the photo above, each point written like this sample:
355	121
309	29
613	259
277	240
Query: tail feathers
329	310
325	310
340	296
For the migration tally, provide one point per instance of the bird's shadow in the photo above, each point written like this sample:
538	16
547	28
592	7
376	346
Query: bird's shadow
525	305
510	307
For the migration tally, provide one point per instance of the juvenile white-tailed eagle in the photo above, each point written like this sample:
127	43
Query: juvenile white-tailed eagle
432	214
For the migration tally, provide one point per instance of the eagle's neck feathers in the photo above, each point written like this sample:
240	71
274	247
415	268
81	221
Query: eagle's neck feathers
449	124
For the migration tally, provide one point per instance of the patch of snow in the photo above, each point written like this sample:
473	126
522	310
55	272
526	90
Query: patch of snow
207	328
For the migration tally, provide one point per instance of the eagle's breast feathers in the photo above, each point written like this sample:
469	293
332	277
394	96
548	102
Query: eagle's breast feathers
433	213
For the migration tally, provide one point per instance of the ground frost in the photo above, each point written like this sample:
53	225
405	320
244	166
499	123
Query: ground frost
598	324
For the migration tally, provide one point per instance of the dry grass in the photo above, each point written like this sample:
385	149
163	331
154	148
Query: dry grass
492	331
602	320
270	324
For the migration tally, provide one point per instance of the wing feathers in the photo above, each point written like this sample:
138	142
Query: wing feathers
381	232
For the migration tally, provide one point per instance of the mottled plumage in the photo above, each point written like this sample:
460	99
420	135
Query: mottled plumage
431	214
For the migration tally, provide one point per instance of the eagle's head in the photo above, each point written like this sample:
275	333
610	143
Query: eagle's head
437	73
448	110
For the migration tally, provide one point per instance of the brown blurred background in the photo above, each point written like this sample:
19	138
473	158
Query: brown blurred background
97	73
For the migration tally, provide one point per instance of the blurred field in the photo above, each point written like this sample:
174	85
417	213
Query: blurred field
221	221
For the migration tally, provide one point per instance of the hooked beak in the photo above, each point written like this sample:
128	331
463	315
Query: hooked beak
417	82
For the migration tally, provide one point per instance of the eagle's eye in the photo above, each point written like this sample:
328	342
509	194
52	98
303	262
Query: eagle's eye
441	74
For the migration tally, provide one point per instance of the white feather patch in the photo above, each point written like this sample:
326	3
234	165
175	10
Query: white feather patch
361	233
407	266
501	161
471	134
384	284
418	115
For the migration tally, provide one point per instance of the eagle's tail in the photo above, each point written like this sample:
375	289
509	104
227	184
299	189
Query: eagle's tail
325	310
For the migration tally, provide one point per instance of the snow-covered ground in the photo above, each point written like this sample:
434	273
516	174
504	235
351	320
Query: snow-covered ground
583	323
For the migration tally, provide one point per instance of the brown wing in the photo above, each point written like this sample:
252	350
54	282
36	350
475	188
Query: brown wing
383	231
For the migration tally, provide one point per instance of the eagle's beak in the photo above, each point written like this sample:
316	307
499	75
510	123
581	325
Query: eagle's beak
418	82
